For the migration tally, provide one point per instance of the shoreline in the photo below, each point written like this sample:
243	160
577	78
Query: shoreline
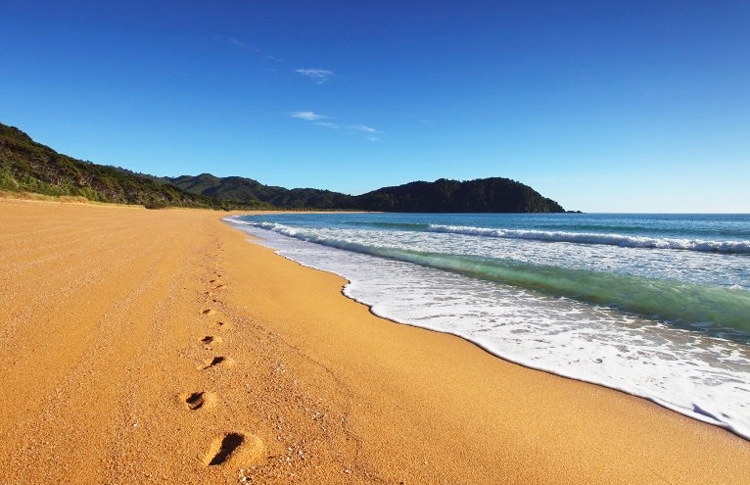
484	345
107	312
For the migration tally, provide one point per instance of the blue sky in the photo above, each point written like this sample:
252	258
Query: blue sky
604	106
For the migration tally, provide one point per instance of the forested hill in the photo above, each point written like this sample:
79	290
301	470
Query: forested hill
27	166
495	194
481	195
247	190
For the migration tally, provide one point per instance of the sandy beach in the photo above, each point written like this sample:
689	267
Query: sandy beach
146	346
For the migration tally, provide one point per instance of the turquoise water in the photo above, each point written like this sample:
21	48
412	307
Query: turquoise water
662	301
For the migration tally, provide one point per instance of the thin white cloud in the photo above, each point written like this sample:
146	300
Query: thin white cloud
317	119
320	76
328	124
250	48
241	45
307	115
363	128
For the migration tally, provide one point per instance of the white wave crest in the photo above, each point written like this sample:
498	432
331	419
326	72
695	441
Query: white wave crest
728	247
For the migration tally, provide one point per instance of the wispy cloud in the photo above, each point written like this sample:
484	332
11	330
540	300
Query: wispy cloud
242	45
328	124
370	133
320	76
363	128
250	48
317	119
307	115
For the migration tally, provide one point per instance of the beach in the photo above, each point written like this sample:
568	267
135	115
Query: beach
162	347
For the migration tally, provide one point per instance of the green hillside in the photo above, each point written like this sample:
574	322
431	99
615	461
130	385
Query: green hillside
32	167
245	189
481	195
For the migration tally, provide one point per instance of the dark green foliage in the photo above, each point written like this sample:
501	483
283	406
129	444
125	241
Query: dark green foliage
245	189
32	167
482	195
29	166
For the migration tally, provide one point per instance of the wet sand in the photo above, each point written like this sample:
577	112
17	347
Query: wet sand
161	347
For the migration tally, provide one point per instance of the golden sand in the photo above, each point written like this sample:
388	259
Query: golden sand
161	347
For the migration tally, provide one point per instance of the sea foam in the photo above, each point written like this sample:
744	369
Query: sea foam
690	372
729	247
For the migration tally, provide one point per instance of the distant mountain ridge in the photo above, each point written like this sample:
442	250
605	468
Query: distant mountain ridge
250	190
495	194
26	165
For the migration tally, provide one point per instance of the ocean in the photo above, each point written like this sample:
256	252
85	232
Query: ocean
657	306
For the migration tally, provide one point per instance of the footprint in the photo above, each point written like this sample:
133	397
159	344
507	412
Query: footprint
220	324
197	400
210	339
219	360
242	449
